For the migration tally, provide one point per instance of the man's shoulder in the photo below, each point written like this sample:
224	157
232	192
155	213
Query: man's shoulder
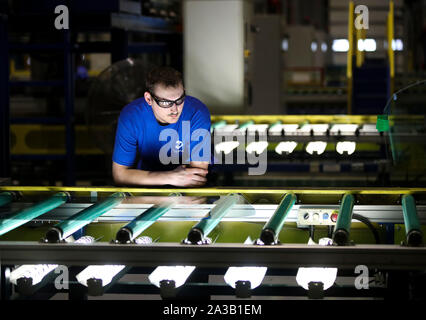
196	105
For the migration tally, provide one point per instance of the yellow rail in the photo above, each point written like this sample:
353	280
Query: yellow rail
390	25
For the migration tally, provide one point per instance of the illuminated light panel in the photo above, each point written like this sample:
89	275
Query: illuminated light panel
286	146
253	274
316	146
178	274
227	128
35	271
38	271
318	129
261	128
257	146
368	45
340	45
346	146
347	129
325	275
104	273
226	147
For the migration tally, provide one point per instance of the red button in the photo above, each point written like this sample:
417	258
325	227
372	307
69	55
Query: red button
333	217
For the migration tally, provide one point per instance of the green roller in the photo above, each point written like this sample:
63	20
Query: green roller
274	124
142	222
27	214
272	228
208	223
344	219
218	124
246	124
5	198
67	227
413	233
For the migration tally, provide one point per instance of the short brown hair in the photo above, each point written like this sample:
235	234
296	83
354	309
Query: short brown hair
166	76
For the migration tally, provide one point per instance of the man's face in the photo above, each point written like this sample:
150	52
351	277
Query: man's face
166	115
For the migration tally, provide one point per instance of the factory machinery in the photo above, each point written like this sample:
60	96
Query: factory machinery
212	242
347	146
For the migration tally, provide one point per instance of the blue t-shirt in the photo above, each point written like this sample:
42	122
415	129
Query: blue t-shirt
145	144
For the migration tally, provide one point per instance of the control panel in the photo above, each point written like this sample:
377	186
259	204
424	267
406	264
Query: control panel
307	216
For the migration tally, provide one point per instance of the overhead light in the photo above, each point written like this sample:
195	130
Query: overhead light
286	146
257	146
253	274
284	44
344	129
325	275
324	47
226	147
346	146
178	274
314	46
34	271
340	45
38	271
102	272
316	146
367	45
397	45
261	128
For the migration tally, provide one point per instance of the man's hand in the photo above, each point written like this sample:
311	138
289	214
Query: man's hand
183	176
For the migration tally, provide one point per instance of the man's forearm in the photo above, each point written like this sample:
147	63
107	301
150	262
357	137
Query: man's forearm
141	177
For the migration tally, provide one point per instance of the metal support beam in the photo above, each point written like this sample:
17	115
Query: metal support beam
215	255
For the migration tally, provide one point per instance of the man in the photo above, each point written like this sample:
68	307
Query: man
139	156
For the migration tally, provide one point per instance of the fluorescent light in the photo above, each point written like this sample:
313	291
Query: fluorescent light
226	147
286	146
318	129
346	146
344	129
284	45
178	274
316	146
104	273
367	45
38	271
257	146
253	274
261	128
397	45
340	45
325	275
35	271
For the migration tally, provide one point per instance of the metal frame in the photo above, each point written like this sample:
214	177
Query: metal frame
393	257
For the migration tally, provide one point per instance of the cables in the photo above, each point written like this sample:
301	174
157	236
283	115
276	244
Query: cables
367	222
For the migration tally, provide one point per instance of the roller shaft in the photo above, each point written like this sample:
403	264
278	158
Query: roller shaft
67	227
27	214
5	198
272	228
414	236
207	224
344	219
130	231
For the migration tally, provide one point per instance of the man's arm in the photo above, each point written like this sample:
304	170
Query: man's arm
181	176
